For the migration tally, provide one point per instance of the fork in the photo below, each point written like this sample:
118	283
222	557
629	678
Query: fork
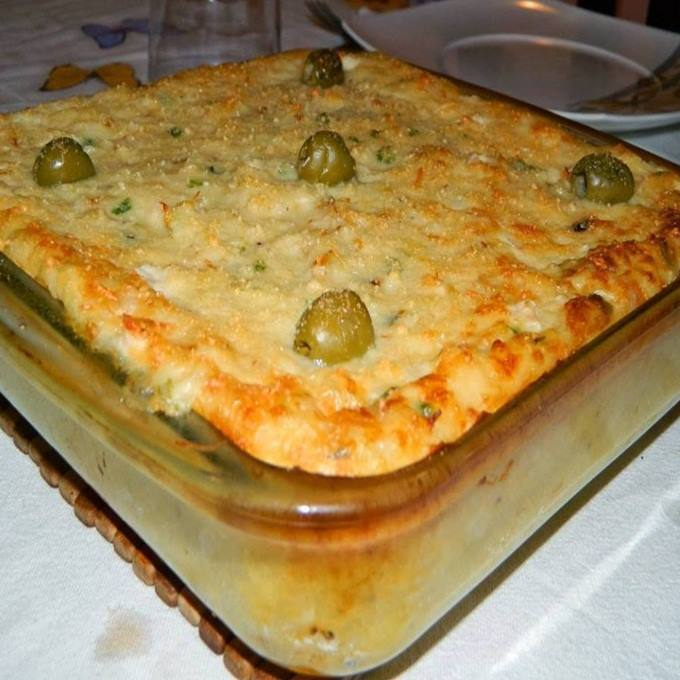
322	15
657	93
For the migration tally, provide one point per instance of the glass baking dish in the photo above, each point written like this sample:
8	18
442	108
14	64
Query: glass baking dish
334	575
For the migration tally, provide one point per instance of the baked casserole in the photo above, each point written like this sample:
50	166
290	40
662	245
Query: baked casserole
467	246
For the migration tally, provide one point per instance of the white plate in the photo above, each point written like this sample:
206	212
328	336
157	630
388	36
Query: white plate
549	53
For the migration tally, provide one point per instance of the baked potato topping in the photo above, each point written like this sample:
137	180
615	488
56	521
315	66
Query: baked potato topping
477	258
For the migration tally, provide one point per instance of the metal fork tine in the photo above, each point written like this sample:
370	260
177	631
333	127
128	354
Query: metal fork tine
325	17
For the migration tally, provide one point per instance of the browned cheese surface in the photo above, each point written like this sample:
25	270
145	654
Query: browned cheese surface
191	254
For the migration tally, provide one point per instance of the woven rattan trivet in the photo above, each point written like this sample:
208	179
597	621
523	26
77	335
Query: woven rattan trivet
92	511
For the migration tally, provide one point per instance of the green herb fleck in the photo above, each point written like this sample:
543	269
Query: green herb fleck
386	154
394	264
387	393
122	207
259	266
412	132
176	131
518	165
323	118
428	411
514	329
286	170
395	317
194	182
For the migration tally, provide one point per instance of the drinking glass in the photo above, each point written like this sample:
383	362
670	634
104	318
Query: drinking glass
188	33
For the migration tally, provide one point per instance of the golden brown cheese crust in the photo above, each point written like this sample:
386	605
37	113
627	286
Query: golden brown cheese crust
457	233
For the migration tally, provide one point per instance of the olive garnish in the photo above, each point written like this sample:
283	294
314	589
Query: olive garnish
325	158
602	178
323	68
62	161
336	327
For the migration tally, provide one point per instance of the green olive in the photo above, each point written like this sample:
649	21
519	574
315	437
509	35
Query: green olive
323	68
62	161
602	178
325	158
336	327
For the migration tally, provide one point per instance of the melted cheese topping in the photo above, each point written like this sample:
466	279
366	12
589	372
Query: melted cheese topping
192	253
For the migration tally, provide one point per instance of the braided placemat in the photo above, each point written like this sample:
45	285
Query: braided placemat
92	511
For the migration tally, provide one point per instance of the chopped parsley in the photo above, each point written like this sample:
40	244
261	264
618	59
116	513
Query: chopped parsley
194	182
428	411
176	131
259	266
122	207
387	393
287	171
394	264
386	155
395	317
519	165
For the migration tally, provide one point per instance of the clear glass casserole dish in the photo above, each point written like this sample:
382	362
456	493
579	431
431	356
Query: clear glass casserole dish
301	566
336	575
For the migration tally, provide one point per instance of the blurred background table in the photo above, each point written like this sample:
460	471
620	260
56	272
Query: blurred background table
595	594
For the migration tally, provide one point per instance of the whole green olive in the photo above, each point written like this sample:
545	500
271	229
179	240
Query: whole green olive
336	327
602	178
323	68
62	161
325	158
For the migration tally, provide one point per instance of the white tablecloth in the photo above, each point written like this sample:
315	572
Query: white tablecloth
596	594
